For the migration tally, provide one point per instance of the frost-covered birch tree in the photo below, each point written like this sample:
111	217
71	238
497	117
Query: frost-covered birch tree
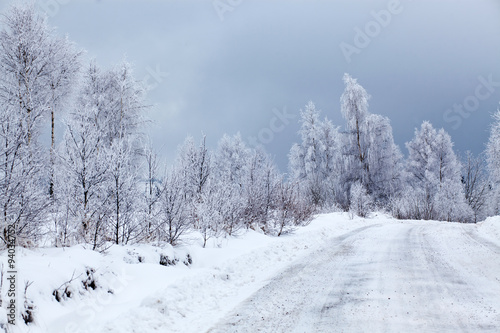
354	108
25	55
83	175
65	65
101	154
370	154
123	119
152	192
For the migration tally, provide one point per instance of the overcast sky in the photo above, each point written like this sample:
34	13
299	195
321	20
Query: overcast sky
248	66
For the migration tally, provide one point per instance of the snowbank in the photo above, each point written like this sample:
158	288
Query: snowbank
126	289
490	229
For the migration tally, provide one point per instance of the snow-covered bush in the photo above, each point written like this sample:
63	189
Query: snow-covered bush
450	204
289	211
413	204
166	261
361	202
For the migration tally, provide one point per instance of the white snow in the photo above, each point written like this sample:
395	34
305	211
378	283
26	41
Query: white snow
490	229
139	295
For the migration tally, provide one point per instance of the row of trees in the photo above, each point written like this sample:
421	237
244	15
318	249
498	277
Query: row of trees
103	183
361	169
37	74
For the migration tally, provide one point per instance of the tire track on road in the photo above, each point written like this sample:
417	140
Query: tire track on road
481	241
280	304
463	300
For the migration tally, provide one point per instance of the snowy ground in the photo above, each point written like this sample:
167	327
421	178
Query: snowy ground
336	274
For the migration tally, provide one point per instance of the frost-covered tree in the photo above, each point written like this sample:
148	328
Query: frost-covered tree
354	108
370	155
476	185
332	162
173	217
126	97
493	160
82	179
101	150
434	172
230	160
207	211
26	52
384	159
260	188
231	207
25	56
290	210
305	158
314	163
152	190
283	219
23	202
195	164
65	65
123	191
122	138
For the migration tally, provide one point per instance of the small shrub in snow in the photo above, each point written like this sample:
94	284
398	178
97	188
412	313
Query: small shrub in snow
188	261
166	261
28	314
63	294
90	281
408	204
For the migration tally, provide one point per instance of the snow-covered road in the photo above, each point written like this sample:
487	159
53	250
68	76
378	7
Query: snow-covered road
400	277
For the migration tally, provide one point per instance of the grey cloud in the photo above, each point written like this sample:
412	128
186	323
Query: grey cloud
228	76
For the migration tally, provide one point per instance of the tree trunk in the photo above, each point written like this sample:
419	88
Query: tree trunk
117	231
52	157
